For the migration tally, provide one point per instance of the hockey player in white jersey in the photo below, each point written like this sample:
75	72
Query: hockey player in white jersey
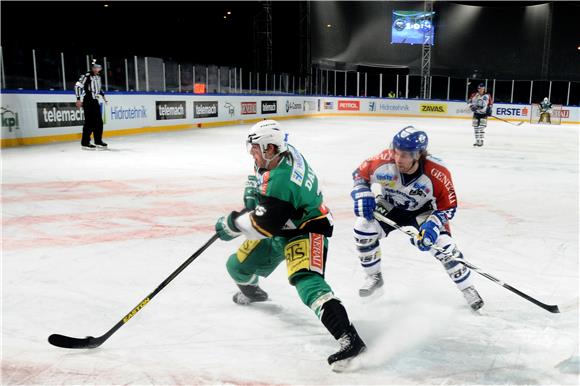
415	190
480	102
545	111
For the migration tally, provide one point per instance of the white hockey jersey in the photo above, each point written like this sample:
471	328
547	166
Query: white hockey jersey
481	102
434	186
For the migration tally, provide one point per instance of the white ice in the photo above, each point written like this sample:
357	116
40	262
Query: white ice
87	235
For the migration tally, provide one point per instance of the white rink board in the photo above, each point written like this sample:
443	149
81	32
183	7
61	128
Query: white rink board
49	117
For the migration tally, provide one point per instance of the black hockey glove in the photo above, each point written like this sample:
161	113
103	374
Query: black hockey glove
382	206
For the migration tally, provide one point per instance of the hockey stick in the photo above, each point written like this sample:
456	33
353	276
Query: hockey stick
91	342
506	121
551	308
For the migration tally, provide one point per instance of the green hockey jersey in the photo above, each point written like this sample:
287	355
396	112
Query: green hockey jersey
290	202
545	106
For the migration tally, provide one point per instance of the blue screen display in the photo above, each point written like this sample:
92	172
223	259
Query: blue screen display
412	27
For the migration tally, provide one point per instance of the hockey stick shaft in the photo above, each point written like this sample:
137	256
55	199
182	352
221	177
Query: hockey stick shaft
91	342
547	307
506	121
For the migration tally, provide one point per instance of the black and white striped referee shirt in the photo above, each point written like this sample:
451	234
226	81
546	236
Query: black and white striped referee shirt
90	84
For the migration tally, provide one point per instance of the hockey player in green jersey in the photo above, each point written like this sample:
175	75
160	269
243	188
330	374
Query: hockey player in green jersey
286	220
545	111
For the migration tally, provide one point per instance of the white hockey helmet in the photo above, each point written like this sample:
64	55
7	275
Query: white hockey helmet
96	65
265	133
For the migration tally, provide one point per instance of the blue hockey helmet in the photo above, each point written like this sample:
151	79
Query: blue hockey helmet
411	140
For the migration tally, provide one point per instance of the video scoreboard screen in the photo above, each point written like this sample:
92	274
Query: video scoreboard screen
412	27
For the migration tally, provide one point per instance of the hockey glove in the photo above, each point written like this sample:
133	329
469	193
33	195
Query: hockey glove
251	193
428	235
364	201
382	206
473	108
226	227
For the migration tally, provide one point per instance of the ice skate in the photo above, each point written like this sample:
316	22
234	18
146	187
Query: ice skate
101	145
249	294
473	299
351	345
372	284
89	146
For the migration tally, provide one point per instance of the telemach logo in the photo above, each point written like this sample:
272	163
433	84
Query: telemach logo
169	110
249	108
205	109
269	107
433	108
59	114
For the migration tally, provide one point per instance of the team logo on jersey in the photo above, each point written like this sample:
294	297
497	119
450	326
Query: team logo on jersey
299	167
401	199
384	177
417	192
260	210
440	176
417	185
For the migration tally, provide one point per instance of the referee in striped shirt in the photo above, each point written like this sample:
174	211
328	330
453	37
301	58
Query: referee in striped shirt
89	88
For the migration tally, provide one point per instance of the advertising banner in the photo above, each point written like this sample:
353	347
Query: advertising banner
205	109
269	107
169	110
59	114
249	108
349	105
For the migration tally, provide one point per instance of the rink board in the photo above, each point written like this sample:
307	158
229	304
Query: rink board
41	117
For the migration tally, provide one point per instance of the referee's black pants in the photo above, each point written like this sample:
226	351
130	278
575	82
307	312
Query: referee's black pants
93	122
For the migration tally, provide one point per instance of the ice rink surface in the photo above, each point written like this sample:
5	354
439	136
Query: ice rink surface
87	235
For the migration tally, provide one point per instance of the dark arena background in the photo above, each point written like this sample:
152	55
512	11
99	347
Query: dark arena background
91	226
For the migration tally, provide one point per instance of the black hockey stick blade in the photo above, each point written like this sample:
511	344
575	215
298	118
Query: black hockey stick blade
92	342
548	307
552	308
70	342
